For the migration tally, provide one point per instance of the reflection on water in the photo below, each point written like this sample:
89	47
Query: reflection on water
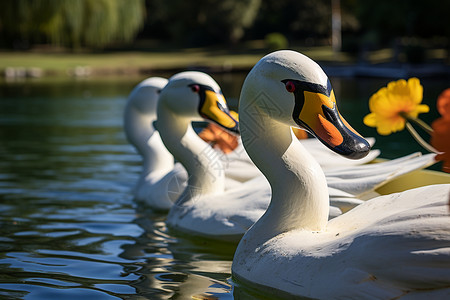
69	225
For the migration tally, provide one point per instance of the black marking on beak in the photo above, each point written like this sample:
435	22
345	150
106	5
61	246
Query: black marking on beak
202	94
353	146
300	88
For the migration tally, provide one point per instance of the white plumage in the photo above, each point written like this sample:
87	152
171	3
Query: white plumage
390	247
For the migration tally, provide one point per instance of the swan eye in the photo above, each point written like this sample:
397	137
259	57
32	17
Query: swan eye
290	86
195	88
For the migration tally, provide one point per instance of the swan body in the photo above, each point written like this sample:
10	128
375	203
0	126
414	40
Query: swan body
210	173
361	180
161	180
378	250
329	160
388	247
207	207
227	216
226	211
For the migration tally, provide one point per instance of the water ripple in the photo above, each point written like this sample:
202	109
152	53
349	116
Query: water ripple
69	228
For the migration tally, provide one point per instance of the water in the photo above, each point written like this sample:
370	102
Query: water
69	226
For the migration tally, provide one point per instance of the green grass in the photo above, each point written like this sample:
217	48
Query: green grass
137	61
157	59
61	63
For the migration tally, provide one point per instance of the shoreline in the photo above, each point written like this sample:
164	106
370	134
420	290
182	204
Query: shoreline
355	71
147	63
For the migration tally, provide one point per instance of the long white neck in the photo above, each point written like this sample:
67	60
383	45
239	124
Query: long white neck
299	188
205	170
141	133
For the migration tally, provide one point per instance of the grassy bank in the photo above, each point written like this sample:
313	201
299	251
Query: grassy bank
53	63
137	62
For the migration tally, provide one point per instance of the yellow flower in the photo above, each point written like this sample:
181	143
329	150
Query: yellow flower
392	105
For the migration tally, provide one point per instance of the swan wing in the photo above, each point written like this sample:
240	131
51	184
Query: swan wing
378	250
402	239
162	190
330	160
362	179
238	165
225	216
228	216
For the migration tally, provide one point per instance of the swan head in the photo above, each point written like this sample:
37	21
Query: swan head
140	112
297	92
144	96
196	96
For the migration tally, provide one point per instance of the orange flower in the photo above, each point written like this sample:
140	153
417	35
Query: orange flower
440	138
392	105
443	104
219	138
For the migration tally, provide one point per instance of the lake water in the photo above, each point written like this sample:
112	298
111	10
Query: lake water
70	228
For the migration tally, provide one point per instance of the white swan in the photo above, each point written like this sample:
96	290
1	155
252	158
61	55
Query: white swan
388	247
159	173
211	207
185	99
161	180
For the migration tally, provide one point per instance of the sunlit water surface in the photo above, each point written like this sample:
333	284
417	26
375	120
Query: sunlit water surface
70	228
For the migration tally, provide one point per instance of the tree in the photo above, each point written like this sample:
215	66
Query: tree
412	18
203	22
299	20
71	23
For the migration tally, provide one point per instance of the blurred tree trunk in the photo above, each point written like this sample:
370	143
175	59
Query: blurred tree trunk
336	37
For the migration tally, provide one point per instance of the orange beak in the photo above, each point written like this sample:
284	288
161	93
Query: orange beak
214	108
319	115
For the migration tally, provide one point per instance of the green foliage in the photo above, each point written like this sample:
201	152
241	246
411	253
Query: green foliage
204	21
72	23
366	25
297	19
276	41
391	19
